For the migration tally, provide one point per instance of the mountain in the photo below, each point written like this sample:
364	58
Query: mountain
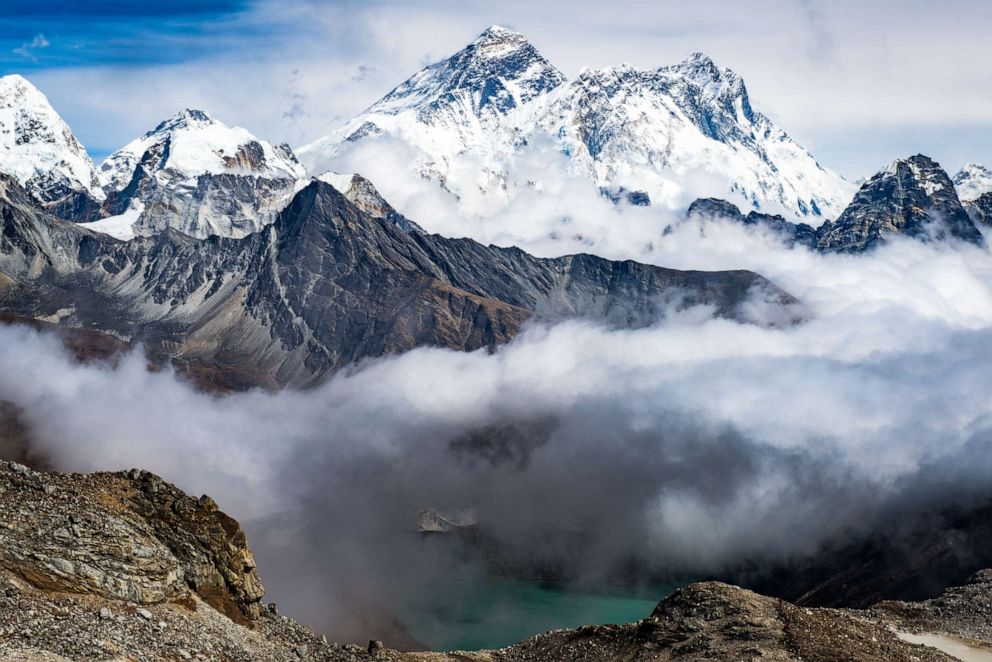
912	197
40	151
974	185
973	181
323	286
127	566
195	174
790	233
360	192
656	132
980	210
470	103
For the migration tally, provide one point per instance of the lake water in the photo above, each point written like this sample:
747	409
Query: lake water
497	612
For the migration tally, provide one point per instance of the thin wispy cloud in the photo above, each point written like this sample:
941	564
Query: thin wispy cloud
28	49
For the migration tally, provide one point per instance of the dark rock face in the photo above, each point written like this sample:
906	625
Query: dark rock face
914	558
366	197
633	198
980	210
915	197
322	287
792	233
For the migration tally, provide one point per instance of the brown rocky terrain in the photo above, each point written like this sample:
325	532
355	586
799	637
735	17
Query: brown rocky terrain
324	286
124	566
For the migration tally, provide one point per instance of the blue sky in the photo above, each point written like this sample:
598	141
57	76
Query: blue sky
54	33
857	83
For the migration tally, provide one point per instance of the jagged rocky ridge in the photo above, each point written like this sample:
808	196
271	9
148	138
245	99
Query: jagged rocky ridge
914	197
325	285
364	195
648	132
126	566
980	210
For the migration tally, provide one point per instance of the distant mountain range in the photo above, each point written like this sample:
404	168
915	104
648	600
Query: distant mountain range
325	285
653	132
489	103
223	253
912	197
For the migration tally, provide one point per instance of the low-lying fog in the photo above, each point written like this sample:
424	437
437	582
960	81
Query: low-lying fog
689	447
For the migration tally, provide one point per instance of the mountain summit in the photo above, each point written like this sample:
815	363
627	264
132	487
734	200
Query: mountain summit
192	143
666	132
973	181
912	197
39	149
497	72
468	105
197	175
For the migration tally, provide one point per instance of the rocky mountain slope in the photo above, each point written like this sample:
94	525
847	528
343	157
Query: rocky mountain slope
648	131
323	286
914	197
40	151
361	192
126	566
194	174
912	556
980	210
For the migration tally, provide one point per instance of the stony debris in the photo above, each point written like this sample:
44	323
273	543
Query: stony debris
715	621
124	566
965	611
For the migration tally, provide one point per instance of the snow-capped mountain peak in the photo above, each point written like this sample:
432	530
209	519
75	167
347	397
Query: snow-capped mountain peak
723	86
192	143
38	148
184	118
673	133
467	101
661	130
498	71
973	181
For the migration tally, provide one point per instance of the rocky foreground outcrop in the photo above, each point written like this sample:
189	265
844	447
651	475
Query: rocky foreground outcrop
124	566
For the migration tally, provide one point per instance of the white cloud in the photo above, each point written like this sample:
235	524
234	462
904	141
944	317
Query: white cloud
676	443
27	49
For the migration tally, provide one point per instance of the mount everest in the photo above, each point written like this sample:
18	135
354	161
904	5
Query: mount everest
673	134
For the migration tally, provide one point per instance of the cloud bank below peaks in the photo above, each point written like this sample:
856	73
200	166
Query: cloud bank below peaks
691	446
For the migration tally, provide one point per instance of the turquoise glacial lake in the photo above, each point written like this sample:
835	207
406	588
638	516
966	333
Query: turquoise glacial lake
497	612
